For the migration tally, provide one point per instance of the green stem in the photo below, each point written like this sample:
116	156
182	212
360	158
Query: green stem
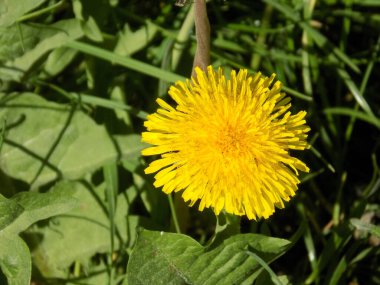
182	38
174	214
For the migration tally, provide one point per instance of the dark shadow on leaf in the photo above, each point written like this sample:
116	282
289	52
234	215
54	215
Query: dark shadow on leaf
56	142
18	122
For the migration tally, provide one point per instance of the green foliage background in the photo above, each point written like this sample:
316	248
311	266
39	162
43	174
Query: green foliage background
77	79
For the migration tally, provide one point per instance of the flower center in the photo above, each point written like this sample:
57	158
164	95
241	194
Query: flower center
231	141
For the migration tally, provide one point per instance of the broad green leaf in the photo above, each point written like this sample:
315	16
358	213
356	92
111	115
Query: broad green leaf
11	10
139	38
24	209
130	145
50	140
131	160
91	30
15	260
10	210
10	74
84	231
178	259
36	206
12	45
22	46
58	60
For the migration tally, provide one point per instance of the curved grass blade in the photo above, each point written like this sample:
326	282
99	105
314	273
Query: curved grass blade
353	113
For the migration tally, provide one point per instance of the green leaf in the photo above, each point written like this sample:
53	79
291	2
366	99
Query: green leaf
22	46
58	60
50	140
84	230
15	261
36	206
11	10
91	30
10	210
139	38
178	259
22	210
131	159
130	145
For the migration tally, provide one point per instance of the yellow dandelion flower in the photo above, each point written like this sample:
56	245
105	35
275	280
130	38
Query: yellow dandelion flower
227	143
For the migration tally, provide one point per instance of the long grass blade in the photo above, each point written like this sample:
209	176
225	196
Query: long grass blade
127	62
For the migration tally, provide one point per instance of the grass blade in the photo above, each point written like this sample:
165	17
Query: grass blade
111	180
354	90
272	275
353	113
125	61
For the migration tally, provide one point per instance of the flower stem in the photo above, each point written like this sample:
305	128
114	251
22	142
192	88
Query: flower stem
174	214
202	32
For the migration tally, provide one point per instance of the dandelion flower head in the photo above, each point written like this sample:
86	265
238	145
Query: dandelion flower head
226	143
